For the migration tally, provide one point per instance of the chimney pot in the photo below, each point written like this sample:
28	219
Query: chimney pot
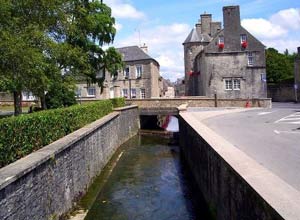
144	48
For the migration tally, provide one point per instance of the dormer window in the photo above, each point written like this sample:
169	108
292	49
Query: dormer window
244	42
221	42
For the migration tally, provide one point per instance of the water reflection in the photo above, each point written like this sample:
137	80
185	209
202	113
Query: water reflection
149	182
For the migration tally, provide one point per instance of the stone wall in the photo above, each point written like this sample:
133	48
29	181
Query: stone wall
284	93
46	184
234	185
198	102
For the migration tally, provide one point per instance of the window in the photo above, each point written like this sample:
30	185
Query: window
133	93
232	84
143	93
125	93
139	71
78	92
126	73
100	74
91	91
250	59
114	76
228	84
221	40
243	38
236	84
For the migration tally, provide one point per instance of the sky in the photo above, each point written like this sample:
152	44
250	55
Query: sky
164	25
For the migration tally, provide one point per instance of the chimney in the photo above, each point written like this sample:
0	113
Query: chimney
231	18
205	23
298	51
144	48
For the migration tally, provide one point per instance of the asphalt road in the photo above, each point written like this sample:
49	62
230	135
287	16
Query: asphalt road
270	136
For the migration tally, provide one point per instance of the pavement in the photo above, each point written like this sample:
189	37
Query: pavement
261	145
269	136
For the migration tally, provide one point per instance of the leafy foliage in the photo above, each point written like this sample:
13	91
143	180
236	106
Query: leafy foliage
42	40
118	102
61	94
280	67
24	134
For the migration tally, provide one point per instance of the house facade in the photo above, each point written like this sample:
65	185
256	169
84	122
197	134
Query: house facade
229	62
139	79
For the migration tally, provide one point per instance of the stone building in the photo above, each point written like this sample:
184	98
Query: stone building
229	62
139	79
297	76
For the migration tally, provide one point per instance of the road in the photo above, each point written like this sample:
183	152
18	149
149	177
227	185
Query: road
270	136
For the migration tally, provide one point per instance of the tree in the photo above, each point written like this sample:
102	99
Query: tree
23	25
279	66
42	40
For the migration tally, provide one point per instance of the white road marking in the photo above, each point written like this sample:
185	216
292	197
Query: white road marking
277	132
287	132
291	119
264	113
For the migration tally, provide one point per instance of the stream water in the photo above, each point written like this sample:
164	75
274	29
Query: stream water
148	180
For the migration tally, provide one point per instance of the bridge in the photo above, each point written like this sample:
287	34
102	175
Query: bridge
168	106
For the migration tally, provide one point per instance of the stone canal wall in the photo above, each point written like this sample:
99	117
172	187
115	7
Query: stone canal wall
46	184
234	185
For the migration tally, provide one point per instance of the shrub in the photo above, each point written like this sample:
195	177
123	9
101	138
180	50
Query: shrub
24	134
118	102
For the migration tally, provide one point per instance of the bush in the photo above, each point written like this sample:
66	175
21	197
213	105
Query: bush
24	134
60	95
118	102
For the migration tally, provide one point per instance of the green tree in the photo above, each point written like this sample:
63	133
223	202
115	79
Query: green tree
40	41
279	66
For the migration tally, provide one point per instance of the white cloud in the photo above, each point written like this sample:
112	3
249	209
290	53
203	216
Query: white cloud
165	45
121	9
289	18
118	26
263	28
280	31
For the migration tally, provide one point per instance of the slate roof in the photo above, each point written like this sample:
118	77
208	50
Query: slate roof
134	53
194	36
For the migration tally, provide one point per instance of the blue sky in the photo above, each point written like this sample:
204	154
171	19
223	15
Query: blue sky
164	25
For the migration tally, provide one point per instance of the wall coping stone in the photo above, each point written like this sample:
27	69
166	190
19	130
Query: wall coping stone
125	108
195	98
21	167
282	197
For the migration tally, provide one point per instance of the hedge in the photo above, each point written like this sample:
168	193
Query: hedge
118	102
19	136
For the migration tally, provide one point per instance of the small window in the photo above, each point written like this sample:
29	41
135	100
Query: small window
100	74
250	59
91	91
236	84
126	73
232	84
78	92
114	76
221	40
133	93
228	84
243	38
125	93
143	93
139	71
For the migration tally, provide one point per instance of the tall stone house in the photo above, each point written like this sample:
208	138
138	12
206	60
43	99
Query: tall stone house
297	72
229	62
140	78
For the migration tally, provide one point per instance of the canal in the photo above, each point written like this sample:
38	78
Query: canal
146	180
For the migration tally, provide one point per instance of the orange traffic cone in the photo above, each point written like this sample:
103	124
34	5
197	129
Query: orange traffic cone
248	105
